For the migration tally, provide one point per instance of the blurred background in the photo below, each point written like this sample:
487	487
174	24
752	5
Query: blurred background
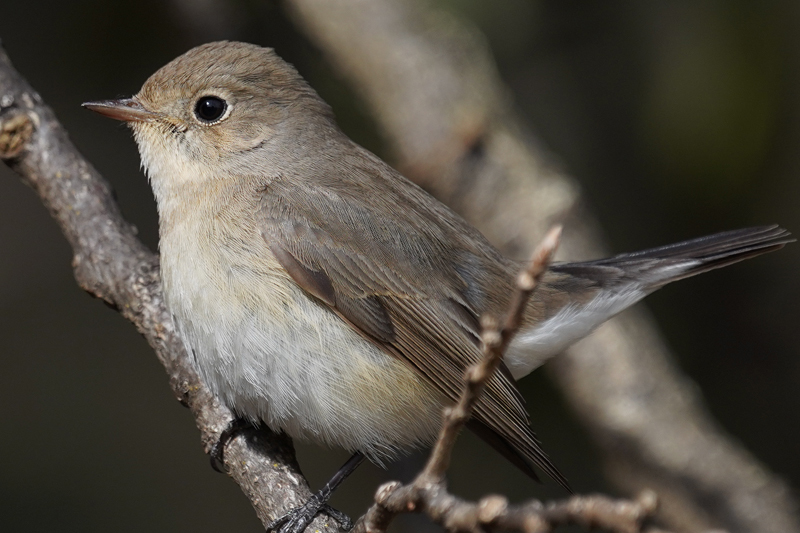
677	118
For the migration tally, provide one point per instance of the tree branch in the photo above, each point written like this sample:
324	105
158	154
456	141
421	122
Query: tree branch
112	264
495	342
428	492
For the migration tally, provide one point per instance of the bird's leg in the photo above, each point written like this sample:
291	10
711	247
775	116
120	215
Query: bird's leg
217	454
296	520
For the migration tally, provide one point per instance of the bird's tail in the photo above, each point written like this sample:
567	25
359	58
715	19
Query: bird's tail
577	297
666	264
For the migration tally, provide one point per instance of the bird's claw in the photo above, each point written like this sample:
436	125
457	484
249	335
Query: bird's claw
217	453
296	520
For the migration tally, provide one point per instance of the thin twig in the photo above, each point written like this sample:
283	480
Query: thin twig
428	494
495	343
494	513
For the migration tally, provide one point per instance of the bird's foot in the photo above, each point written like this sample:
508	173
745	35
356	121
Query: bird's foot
296	520
217	453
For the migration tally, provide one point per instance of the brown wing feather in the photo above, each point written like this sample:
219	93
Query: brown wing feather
398	283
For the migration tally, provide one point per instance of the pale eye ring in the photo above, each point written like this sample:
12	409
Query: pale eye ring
209	109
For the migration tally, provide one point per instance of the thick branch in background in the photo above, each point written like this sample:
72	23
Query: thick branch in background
433	89
112	264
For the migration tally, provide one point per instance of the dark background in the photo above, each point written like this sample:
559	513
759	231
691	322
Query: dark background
678	118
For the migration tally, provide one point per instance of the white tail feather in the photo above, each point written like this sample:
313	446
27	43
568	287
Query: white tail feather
533	347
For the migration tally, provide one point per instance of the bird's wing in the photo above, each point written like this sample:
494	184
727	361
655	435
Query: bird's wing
411	282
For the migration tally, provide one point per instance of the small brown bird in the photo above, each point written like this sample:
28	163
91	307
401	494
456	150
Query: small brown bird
322	293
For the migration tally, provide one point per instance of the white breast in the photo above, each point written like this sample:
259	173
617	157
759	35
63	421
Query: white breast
272	353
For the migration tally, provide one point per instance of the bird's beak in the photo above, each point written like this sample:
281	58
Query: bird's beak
125	109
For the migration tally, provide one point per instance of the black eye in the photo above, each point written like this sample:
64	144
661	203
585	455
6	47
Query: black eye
210	108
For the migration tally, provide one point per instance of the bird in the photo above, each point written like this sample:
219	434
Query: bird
320	292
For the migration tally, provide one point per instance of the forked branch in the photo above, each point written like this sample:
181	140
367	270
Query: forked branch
428	492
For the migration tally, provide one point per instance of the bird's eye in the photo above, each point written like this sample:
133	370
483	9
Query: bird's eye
209	109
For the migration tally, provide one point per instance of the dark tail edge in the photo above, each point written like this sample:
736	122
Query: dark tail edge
521	458
712	251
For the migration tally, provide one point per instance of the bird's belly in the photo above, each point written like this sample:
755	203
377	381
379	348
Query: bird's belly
273	354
